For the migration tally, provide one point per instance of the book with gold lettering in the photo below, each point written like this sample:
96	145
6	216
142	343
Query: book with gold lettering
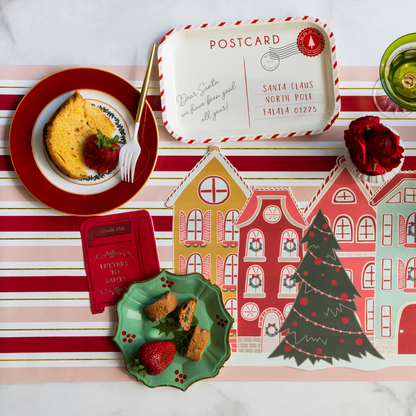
118	250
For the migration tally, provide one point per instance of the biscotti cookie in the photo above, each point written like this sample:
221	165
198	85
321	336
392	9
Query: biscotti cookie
166	304
68	129
197	344
186	313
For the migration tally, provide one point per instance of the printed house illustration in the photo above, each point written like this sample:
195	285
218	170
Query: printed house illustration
344	200
206	205
395	297
270	228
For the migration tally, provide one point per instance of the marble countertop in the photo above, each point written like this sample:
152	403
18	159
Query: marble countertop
91	32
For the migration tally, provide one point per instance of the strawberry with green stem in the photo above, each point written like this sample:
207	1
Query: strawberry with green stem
101	152
154	357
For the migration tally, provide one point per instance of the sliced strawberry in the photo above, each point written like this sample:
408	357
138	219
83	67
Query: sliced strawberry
101	153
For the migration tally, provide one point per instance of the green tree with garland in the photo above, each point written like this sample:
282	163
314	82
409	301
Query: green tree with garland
322	324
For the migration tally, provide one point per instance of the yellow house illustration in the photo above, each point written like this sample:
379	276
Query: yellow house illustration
206	205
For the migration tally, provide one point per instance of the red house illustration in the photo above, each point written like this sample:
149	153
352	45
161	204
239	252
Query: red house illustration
344	200
270	228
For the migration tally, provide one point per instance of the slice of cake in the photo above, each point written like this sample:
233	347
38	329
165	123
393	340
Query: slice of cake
186	313
197	344
166	304
67	131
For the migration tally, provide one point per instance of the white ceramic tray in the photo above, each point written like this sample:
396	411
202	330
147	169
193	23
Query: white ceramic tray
249	80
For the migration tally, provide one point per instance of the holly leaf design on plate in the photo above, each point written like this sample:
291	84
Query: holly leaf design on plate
170	325
166	326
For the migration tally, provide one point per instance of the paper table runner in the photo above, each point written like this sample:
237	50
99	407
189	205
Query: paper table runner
47	331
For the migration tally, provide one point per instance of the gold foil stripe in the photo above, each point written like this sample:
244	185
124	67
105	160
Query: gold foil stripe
64	359
285	179
59	329
11	86
35	239
157	88
148	209
45	268
256	148
360	88
24	208
23	299
262	179
52	238
382	118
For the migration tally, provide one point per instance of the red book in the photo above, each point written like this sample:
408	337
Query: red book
118	250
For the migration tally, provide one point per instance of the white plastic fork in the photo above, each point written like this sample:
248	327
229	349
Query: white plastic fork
130	152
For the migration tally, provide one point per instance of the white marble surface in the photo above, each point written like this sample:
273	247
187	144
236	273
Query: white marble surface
71	32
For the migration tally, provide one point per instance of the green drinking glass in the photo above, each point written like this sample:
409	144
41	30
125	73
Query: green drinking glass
398	72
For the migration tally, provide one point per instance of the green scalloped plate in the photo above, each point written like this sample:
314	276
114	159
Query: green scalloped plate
135	328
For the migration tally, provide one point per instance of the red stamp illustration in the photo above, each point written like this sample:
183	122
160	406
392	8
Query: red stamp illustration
311	42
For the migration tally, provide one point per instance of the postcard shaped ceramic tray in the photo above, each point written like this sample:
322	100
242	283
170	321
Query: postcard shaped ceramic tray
249	80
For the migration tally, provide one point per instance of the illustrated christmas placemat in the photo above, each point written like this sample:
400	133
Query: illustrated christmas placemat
332	285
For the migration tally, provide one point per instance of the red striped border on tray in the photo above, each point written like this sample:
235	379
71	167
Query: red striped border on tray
317	21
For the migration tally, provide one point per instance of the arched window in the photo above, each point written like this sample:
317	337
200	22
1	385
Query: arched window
344	196
411	229
366	229
230	271
289	246
254	282
231	307
411	274
230	231
255	246
194	264
369	276
194	226
287	309
343	229
349	273
288	288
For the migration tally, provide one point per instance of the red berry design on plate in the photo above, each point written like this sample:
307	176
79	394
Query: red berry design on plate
181	377
167	283
154	357
101	153
128	337
221	322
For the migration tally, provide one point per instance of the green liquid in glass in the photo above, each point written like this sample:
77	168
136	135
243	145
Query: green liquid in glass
402	74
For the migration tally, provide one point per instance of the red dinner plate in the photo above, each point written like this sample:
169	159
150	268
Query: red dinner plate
22	128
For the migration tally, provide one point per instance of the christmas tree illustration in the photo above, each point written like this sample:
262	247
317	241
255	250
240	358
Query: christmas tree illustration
322	324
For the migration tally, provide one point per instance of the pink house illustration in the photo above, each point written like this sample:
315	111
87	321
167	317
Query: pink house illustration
270	227
344	200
